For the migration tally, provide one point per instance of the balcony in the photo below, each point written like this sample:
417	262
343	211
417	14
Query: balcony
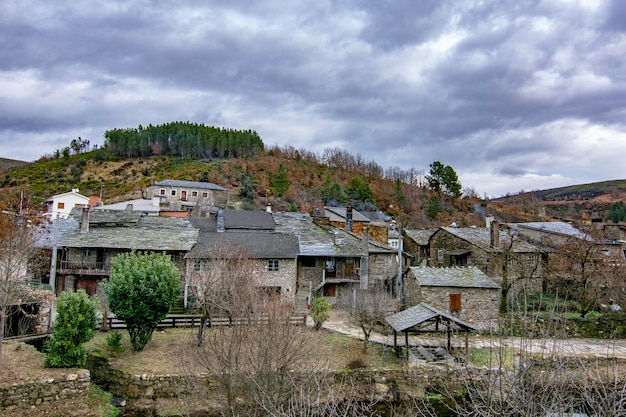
84	268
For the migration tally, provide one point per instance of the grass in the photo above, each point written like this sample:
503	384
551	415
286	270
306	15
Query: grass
164	353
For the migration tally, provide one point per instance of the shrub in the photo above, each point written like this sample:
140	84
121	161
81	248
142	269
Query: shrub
320	312
74	325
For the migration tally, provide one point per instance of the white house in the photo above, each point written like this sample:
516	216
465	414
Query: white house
62	204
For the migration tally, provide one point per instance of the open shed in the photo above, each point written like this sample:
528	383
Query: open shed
423	318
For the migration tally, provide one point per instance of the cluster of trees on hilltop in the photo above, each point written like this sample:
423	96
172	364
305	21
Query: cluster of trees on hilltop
185	139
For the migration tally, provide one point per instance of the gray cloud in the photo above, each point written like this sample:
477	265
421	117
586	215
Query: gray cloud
516	95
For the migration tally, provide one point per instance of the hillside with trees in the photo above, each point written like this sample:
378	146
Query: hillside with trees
290	179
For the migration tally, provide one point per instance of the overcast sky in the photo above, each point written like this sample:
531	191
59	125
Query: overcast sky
512	94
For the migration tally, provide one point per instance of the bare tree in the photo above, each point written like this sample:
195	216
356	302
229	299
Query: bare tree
224	285
17	250
369	309
582	271
253	355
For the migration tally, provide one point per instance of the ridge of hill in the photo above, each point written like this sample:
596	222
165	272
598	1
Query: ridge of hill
252	183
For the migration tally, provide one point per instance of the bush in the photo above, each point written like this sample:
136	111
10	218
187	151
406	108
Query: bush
141	290
114	344
74	325
320	312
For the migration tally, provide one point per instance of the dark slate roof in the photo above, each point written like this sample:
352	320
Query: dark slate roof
480	237
422	314
149	233
420	236
464	277
250	220
258	245
190	184
316	240
341	212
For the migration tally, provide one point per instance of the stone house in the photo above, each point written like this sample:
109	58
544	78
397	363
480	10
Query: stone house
88	239
464	292
332	261
186	195
497	253
416	242
273	254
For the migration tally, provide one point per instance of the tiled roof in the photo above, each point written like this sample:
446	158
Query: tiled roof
463	277
420	314
190	184
149	233
480	236
420	236
258	245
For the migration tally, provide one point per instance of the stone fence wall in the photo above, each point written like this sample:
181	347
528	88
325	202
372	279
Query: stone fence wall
32	394
382	384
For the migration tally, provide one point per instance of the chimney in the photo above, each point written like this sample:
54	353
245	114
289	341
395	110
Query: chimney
84	221
494	234
488	220
268	208
349	218
220	221
364	267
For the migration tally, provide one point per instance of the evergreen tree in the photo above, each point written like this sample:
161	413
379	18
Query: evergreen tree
617	213
434	207
280	183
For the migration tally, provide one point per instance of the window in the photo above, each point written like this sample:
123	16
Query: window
173	193
194	193
308	262
162	191
440	256
183	195
532	260
200	265
60	205
455	302
205	194
273	265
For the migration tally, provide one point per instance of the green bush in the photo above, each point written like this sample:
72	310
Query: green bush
74	325
114	344
320	312
141	290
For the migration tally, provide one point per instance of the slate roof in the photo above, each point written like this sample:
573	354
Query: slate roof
480	237
316	240
341	213
420	236
140	205
190	184
464	277
257	245
422	314
249	220
560	228
148	233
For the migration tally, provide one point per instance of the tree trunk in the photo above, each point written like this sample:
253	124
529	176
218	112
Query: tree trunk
2	321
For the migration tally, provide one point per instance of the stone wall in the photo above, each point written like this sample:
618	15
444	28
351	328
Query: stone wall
32	394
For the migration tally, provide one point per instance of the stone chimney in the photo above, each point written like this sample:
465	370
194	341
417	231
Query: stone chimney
220	221
349	218
488	220
364	267
494	234
84	221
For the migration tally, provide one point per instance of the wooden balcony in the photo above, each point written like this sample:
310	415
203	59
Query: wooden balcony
85	268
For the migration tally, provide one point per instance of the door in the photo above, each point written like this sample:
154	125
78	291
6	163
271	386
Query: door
89	285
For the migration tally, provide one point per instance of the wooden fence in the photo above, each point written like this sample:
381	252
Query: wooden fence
194	320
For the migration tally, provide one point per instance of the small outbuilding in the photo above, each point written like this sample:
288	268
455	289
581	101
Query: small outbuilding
465	293
425	318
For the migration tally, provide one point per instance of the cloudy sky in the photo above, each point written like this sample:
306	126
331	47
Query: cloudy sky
514	95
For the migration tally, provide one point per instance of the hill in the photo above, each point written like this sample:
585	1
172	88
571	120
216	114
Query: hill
313	181
7	164
572	203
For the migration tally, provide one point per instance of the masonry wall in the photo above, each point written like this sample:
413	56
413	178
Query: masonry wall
479	306
285	277
32	394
